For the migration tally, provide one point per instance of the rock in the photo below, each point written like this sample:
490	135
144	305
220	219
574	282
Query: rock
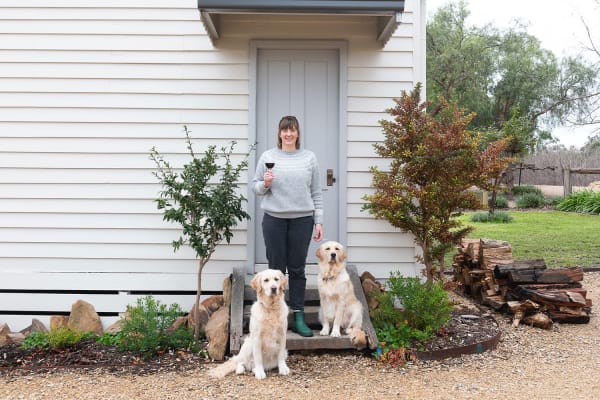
4	331
36	326
17	337
213	303
84	318
227	292
372	290
115	327
217	333
367	275
58	321
176	324
203	317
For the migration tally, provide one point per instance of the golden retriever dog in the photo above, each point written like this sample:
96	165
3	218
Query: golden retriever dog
340	309
264	347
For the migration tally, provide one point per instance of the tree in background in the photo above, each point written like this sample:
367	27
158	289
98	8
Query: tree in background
504	76
204	199
434	160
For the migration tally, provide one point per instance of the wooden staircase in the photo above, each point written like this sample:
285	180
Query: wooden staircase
242	297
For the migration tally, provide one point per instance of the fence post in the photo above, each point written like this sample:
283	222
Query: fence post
567	186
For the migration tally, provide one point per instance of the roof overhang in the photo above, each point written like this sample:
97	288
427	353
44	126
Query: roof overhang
389	13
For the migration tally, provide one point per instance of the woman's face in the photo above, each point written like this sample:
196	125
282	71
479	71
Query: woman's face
288	138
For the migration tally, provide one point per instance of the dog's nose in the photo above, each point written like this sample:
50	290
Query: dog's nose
273	290
333	256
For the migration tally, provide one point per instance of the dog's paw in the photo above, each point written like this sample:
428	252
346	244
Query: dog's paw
260	373
284	370
239	369
324	332
335	333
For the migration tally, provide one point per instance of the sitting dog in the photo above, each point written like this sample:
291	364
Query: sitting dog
264	348
339	305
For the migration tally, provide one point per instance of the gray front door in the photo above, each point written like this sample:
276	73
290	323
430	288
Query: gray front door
304	83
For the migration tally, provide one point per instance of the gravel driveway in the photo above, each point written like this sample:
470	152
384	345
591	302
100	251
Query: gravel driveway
529	363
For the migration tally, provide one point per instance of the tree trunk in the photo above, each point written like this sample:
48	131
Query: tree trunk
201	264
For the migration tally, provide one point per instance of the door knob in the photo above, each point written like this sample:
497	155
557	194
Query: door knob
330	177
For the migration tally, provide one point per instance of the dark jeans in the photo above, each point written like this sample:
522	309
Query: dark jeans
287	242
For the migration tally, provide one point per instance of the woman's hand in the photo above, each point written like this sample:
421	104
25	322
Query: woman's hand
268	178
318	233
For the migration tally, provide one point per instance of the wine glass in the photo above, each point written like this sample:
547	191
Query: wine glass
269	165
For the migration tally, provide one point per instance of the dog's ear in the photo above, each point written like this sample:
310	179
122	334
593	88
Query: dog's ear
284	281
342	255
255	283
318	253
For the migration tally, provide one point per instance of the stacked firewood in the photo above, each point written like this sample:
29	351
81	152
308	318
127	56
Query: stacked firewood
531	292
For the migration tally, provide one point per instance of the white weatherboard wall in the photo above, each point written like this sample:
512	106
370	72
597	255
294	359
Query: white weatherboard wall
88	87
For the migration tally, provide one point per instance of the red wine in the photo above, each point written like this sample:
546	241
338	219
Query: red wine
269	165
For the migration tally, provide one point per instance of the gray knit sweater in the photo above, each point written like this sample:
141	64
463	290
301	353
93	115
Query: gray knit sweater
296	191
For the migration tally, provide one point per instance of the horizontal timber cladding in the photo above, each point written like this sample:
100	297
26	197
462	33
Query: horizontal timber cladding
87	88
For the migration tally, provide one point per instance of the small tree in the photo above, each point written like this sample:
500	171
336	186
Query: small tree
434	160
205	209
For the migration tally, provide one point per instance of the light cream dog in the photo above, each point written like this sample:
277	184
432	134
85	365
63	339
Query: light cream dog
340	309
264	348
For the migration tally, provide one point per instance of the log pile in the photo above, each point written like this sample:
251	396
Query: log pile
531	292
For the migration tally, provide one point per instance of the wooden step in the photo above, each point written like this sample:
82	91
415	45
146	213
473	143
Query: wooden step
242	297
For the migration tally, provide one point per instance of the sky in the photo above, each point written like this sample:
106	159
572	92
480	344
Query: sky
556	23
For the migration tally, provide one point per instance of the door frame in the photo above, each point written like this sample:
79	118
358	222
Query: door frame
339	45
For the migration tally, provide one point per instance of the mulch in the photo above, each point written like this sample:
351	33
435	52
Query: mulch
468	325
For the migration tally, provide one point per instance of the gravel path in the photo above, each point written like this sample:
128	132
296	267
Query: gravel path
529	363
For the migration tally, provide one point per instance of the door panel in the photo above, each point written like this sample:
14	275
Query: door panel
304	83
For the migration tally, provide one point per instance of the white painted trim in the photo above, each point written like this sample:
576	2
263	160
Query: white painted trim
342	47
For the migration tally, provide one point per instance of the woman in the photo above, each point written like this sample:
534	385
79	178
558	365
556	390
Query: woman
287	178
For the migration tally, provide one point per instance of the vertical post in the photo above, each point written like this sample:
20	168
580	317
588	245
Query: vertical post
567	186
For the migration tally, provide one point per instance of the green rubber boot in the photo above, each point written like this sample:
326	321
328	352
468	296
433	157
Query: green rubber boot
300	326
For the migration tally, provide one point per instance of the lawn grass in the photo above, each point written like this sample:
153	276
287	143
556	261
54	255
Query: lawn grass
562	239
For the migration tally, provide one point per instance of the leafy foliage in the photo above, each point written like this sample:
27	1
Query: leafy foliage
203	198
530	200
500	202
434	160
55	339
585	201
496	216
146	328
526	189
516	87
425	309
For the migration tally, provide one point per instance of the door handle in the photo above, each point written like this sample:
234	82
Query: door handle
330	177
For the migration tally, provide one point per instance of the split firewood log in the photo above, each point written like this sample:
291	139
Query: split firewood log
520	308
539	320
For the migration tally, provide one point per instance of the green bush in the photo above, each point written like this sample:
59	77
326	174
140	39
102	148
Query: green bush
497	217
55	339
501	201
425	309
553	200
585	201
530	200
526	189
145	328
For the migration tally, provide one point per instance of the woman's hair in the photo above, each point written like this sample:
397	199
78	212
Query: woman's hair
288	122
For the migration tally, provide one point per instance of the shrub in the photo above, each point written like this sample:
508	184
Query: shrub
501	201
146	328
585	201
530	200
526	189
425	309
55	339
497	216
553	200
